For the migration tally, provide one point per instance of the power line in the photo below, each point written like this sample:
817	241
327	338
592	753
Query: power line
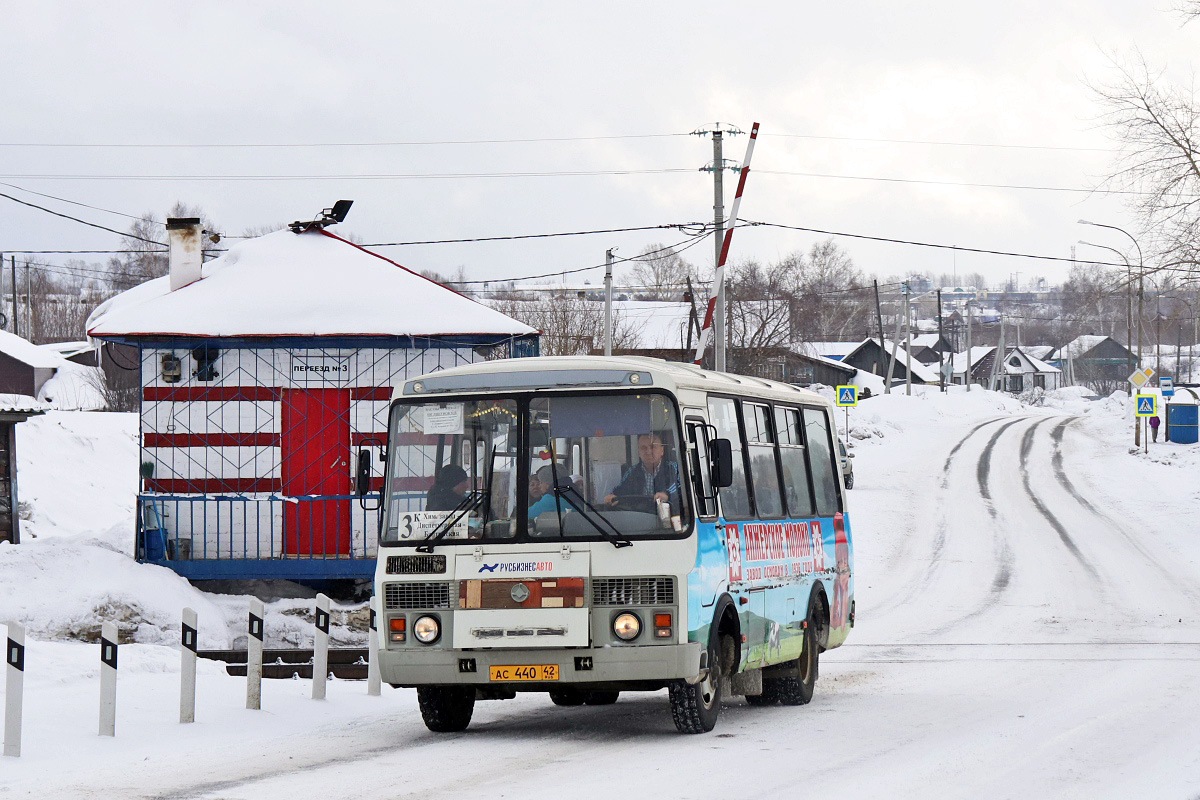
1021	187
77	203
405	143
358	177
679	226
80	221
936	142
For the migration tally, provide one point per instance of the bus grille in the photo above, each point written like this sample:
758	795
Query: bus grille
416	595
633	591
416	565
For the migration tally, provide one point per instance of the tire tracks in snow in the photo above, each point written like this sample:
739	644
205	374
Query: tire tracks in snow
1026	448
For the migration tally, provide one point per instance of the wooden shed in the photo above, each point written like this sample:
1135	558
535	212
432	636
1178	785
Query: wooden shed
261	372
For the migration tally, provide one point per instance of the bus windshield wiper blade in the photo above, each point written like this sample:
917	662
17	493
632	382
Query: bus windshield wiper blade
469	503
612	535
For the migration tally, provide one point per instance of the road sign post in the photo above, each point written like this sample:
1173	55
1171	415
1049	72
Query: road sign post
847	397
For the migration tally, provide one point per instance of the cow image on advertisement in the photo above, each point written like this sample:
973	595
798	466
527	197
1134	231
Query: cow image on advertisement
773	645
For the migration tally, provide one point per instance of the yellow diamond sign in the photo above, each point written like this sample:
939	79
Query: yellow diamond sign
1138	379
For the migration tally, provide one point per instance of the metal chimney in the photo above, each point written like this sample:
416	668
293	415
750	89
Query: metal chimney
185	257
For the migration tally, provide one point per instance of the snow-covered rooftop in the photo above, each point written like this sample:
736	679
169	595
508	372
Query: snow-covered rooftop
307	284
27	352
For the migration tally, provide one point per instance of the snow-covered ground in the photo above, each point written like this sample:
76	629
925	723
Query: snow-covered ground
1028	625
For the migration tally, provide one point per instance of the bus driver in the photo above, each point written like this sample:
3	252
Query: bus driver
652	475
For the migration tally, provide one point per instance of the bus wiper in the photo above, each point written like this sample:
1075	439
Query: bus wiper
469	503
613	535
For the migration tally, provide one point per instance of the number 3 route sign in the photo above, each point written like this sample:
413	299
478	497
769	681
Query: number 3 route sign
1147	405
847	396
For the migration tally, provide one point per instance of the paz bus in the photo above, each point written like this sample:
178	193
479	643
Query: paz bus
586	526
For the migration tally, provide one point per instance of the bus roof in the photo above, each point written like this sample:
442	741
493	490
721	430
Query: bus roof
596	372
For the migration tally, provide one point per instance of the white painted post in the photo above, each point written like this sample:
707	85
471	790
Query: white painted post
14	689
254	654
320	665
187	668
373	654
108	679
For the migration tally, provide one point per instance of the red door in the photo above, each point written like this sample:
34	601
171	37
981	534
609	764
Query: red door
315	460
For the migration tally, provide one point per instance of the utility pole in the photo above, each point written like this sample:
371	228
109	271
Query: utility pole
716	315
882	343
941	364
907	343
608	332
887	388
28	305
13	261
967	376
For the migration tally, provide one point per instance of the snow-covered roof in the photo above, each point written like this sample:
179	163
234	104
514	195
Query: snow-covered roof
68	349
21	404
1037	350
27	352
306	284
1039	365
926	340
1078	346
835	350
978	353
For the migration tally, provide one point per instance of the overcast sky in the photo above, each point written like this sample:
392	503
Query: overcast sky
400	86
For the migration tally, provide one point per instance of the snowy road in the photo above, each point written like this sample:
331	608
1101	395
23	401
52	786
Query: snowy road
1028	627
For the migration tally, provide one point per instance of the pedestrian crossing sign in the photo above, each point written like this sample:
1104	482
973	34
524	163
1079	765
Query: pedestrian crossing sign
847	396
1147	405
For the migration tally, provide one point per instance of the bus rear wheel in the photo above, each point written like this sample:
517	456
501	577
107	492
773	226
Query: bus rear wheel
797	690
446	709
567	697
769	696
695	707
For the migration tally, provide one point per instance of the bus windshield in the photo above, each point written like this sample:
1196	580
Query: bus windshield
533	467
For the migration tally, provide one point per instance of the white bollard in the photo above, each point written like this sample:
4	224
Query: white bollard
187	668
14	688
372	654
321	648
108	679
254	654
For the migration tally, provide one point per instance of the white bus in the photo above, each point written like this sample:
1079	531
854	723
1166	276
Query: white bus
587	526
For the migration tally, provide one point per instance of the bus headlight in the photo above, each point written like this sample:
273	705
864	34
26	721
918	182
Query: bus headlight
427	629
627	626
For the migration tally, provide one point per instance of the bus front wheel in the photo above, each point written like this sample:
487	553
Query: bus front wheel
695	707
446	709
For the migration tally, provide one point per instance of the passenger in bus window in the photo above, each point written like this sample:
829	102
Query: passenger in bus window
653	475
545	478
448	490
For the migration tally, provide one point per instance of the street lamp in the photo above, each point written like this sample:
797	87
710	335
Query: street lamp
1128	300
1137	430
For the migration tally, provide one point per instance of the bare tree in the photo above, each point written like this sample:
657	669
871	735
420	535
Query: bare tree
146	240
832	301
1157	126
660	273
569	325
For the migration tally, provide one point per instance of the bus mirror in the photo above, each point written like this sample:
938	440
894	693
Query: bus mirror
720	460
362	482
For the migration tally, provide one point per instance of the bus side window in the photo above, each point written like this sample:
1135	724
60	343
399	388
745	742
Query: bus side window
791	459
735	498
820	456
706	500
764	474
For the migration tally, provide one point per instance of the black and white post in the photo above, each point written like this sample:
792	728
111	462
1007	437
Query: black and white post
14	688
254	654
187	668
373	682
108	679
321	648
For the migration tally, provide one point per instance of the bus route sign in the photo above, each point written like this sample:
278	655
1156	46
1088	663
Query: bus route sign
847	396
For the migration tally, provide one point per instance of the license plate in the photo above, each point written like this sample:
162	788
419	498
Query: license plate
524	672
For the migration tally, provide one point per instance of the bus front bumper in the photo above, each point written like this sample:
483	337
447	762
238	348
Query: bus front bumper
440	666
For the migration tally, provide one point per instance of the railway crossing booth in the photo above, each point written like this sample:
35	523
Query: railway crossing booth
261	372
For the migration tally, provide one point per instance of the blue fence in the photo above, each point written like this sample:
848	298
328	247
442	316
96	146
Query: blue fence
259	537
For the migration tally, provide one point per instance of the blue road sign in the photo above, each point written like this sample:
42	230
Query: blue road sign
1166	385
847	396
1147	405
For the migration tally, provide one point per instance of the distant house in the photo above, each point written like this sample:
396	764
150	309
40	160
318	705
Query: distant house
930	348
24	367
834	350
1100	361
83	353
868	357
1020	372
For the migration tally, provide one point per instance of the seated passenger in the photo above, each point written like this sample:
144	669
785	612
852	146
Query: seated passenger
448	490
545	478
653	475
